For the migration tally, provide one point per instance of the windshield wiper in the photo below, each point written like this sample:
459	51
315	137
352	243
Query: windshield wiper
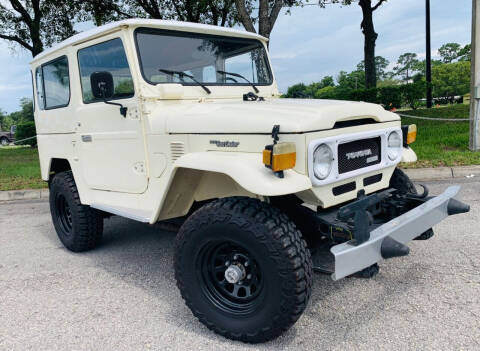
240	76
181	74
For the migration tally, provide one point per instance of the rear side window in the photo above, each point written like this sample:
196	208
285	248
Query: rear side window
39	84
105	57
53	84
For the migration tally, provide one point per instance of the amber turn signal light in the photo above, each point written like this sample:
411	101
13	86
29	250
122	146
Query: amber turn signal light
409	134
279	157
412	134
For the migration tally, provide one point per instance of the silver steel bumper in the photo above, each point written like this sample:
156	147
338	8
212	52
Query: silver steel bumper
350	259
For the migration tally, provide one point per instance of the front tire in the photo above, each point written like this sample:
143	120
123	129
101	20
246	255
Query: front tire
78	227
243	269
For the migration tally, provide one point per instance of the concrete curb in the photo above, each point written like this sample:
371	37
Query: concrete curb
32	194
442	173
416	174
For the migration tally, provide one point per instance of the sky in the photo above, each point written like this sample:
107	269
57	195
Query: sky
310	43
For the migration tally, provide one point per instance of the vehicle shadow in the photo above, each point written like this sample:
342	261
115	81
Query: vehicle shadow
142	255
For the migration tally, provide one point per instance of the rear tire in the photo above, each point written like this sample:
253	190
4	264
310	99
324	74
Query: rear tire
266	251
78	227
4	141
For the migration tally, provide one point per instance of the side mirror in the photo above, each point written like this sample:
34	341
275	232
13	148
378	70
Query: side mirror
102	85
13	129
102	88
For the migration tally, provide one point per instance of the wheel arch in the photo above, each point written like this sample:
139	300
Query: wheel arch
58	165
208	175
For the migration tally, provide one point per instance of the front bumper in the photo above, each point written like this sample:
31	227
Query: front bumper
350	259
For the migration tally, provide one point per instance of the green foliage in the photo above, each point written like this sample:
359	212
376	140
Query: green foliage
3	117
25	114
407	65
352	81
381	64
297	91
451	79
390	97
26	130
412	93
329	92
452	52
449	52
466	53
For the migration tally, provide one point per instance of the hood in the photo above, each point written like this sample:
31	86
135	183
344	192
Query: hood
259	117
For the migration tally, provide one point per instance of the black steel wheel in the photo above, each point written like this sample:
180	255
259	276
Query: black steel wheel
231	277
78	227
64	214
243	269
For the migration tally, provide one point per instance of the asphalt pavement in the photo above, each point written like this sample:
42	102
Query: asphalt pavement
122	295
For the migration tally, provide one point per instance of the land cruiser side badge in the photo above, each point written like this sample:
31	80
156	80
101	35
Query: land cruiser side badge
225	143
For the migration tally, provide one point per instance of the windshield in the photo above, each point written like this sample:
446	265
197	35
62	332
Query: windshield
207	59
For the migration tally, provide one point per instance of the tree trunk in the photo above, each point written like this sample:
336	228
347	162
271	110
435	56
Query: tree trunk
37	45
370	42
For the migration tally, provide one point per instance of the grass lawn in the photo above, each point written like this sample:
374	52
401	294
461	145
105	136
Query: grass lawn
442	143
20	169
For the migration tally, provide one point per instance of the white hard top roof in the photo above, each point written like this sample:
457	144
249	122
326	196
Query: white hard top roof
153	23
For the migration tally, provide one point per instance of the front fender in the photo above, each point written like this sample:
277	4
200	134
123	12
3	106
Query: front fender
247	170
408	155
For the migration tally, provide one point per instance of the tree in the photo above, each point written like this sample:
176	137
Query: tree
466	53
381	64
451	79
216	12
35	24
368	29
3	117
407	65
327	81
25	114
351	81
449	52
268	11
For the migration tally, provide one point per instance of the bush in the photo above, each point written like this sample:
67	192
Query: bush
412	93
326	93
390	97
26	130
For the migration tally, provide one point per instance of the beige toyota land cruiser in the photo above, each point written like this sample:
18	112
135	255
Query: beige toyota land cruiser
159	121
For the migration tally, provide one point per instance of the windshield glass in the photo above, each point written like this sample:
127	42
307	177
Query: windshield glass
209	59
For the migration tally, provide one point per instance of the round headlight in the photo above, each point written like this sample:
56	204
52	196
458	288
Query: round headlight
322	161
394	145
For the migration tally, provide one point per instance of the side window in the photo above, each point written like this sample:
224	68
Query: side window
53	84
56	83
105	57
39	84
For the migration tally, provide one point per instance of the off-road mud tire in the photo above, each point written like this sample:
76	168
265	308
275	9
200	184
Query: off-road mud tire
280	254
78	227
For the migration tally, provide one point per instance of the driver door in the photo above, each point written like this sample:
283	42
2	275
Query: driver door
110	147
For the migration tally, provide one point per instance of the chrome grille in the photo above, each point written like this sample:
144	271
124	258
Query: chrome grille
359	154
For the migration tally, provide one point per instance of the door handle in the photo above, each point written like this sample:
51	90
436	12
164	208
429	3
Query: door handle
87	138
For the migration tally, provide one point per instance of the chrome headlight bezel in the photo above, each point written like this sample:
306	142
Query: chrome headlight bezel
394	145
327	159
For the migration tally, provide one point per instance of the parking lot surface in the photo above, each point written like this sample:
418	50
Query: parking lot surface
122	295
